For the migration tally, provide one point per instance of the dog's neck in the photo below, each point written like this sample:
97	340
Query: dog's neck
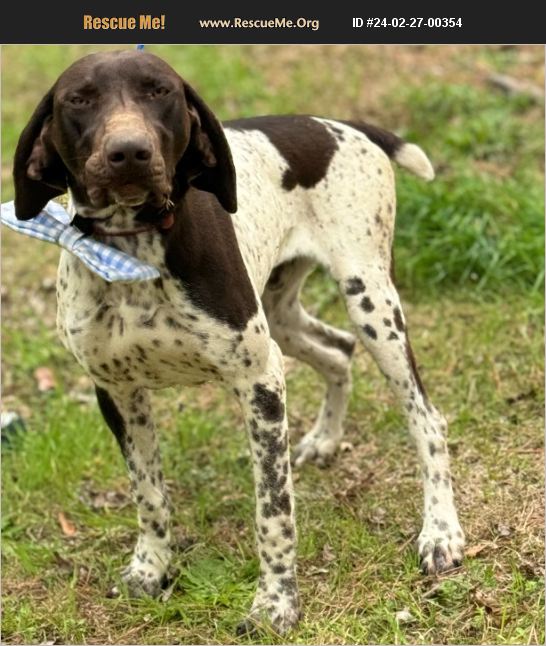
119	221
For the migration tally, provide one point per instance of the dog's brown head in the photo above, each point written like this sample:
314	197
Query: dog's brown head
121	128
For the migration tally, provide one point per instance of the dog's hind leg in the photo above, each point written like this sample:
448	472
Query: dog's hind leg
321	346
375	309
128	414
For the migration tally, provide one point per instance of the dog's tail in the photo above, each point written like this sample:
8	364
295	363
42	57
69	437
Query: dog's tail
413	158
407	155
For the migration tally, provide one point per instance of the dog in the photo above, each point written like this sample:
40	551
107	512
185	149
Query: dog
234	217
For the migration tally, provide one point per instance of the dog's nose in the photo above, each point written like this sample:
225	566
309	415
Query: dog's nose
126	153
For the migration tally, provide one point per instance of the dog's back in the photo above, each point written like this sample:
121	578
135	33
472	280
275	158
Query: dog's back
308	180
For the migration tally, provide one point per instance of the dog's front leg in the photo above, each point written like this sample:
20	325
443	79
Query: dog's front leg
263	403
127	413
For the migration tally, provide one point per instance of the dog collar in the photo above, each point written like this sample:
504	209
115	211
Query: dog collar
90	226
164	224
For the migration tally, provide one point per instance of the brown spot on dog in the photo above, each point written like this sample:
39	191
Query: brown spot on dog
413	367
398	321
387	141
355	286
112	417
341	343
201	250
268	403
370	331
305	144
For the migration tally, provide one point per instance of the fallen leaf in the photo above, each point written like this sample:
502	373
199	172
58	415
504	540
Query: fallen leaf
355	482
45	378
489	602
530	569
431	592
100	500
503	530
48	284
63	565
69	529
404	616
328	554
110	500
474	550
378	516
314	571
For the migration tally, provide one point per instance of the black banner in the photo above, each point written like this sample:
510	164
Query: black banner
202	23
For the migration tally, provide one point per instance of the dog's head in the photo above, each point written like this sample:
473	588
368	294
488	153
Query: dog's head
121	128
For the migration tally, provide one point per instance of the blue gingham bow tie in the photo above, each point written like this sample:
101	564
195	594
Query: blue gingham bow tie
52	224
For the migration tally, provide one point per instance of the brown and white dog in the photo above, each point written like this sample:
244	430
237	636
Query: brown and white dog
234	217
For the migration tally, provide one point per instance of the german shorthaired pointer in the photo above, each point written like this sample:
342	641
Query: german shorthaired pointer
151	171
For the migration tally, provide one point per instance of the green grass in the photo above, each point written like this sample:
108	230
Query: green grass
469	250
355	538
480	218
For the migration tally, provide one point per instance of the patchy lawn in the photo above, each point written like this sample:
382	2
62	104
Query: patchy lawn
469	253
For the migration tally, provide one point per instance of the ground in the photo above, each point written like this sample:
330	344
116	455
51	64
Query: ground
469	252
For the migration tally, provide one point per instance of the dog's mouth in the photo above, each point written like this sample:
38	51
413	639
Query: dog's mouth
107	186
154	191
129	195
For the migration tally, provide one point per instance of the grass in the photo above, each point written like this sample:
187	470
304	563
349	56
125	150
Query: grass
469	251
480	217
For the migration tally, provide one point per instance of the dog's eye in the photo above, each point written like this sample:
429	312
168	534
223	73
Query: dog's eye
78	101
157	92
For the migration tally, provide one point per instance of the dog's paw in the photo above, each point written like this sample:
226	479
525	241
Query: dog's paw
316	448
281	616
142	581
441	551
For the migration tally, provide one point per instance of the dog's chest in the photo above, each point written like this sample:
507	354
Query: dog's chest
144	334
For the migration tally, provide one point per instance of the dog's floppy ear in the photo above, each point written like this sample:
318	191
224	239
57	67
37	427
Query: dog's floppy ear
207	162
39	174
